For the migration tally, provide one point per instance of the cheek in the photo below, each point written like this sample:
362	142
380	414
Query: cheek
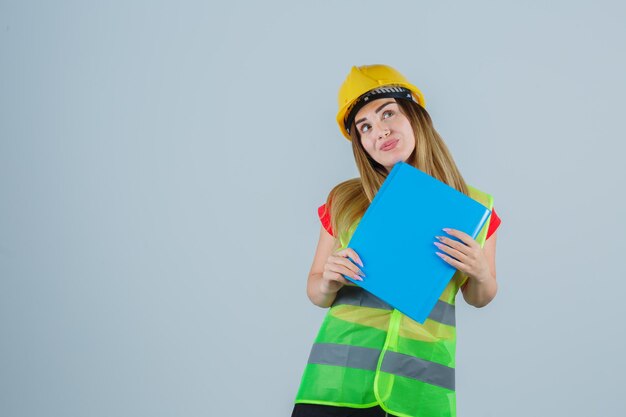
366	145
408	130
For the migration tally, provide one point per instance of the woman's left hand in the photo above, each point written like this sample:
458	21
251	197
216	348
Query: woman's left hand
467	256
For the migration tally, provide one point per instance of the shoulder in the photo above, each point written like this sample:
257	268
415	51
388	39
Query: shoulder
324	215
345	191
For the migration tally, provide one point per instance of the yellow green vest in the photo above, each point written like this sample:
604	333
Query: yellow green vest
367	353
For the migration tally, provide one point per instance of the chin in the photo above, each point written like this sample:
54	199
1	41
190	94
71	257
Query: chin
391	162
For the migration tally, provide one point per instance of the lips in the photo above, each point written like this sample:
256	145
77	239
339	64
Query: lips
389	144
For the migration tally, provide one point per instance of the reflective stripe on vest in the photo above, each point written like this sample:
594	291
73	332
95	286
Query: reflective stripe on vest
393	363
366	353
356	296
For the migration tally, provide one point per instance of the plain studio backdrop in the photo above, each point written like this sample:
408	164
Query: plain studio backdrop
161	165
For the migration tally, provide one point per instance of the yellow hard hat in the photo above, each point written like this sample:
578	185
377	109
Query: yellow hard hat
371	82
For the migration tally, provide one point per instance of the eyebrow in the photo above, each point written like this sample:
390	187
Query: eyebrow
375	111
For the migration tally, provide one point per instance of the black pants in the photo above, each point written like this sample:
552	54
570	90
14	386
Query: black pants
315	410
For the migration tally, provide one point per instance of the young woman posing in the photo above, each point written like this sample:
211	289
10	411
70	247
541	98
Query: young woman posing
369	359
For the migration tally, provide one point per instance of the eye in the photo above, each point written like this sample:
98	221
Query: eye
365	128
387	114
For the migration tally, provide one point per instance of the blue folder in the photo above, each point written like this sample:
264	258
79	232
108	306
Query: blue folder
395	236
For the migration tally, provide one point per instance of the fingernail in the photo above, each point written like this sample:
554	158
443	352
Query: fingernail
439	254
446	230
437	244
439	237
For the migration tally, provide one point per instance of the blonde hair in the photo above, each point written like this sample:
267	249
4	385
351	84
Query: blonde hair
348	200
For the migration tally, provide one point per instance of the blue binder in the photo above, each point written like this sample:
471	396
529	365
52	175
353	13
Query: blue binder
395	236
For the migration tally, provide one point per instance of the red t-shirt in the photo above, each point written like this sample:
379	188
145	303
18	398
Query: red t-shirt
324	216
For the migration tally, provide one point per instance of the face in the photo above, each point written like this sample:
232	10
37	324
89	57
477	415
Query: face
386	133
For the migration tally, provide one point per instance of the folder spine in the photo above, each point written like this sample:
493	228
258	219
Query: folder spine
481	223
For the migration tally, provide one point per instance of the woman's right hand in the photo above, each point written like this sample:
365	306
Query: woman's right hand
337	265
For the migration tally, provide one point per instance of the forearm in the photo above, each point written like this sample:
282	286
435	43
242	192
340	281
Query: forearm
481	290
317	293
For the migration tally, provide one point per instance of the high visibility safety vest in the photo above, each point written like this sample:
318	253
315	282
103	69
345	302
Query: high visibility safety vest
367	353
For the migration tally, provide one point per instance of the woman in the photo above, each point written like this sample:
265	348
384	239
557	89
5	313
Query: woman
369	359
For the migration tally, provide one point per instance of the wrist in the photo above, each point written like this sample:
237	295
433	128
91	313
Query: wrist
482	278
327	290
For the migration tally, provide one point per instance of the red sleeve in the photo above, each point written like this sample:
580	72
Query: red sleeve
493	223
324	216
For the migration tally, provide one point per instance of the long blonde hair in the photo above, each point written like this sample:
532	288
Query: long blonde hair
348	200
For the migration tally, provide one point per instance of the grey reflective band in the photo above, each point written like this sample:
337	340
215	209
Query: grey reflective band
393	363
419	369
356	296
444	313
344	355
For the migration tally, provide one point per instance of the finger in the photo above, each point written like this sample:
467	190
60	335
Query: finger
349	252
355	256
459	246
464	237
458	265
340	278
340	270
348	264
452	252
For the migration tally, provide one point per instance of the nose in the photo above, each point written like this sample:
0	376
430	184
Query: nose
381	130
